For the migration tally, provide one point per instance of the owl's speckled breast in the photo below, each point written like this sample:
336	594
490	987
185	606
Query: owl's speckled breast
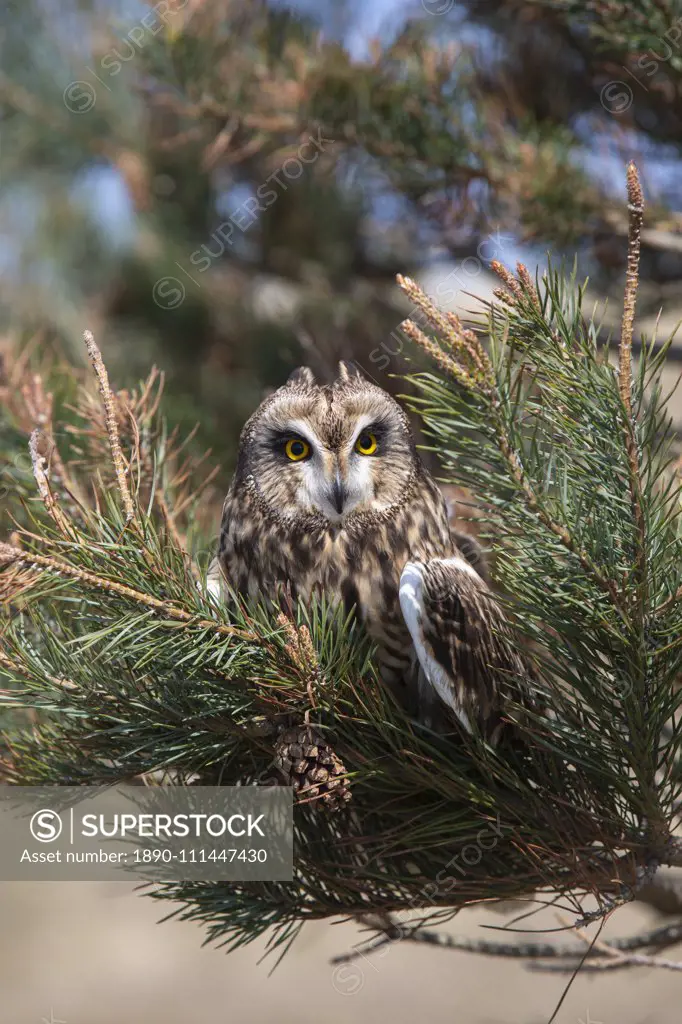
357	562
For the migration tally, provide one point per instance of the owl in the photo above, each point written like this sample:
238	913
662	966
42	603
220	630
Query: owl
330	497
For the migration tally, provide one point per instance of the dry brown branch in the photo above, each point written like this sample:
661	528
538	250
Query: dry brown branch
615	958
39	463
112	427
40	405
636	213
603	953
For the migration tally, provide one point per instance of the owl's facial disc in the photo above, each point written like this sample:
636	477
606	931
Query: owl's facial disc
349	471
336	451
333	474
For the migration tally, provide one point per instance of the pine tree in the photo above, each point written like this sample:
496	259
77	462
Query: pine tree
127	668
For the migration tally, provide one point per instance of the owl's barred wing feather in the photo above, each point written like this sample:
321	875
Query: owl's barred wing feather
461	638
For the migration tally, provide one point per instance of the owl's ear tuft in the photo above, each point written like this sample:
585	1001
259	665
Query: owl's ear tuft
349	371
303	377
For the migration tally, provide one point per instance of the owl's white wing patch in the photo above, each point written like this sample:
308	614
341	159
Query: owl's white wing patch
215	588
411	595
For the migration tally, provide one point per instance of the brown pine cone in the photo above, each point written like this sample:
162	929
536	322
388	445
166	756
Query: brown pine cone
311	767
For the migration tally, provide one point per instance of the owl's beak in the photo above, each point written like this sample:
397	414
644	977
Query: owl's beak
338	493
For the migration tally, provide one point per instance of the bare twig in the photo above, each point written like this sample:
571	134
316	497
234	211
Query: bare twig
615	958
620	947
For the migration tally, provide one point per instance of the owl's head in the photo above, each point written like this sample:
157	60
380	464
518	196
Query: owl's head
333	451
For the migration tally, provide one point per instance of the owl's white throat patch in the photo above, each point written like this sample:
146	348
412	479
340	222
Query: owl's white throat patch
318	487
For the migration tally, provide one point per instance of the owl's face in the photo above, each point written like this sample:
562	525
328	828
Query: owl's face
331	451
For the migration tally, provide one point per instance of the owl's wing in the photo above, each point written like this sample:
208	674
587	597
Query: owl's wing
461	639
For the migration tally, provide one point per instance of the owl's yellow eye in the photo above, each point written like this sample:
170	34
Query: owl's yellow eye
295	449
366	444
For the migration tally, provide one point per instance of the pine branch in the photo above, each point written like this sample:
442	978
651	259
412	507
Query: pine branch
129	668
10	555
483	386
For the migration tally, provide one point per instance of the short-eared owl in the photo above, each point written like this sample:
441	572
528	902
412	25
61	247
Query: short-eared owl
330	496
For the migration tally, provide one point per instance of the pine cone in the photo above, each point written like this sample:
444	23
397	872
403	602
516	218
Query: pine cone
311	767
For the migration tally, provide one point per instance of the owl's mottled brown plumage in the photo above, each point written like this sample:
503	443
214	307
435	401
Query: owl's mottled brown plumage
466	653
338	523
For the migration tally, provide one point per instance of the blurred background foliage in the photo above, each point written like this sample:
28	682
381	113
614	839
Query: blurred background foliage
228	187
